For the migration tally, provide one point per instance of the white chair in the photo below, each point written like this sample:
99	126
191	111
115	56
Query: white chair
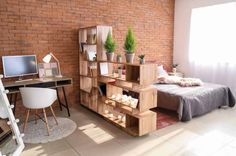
38	98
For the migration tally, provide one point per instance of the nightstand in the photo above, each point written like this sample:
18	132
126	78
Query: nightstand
179	74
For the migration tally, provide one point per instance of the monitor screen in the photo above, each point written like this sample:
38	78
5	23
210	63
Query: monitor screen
14	66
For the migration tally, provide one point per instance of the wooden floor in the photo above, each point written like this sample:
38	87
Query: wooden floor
212	134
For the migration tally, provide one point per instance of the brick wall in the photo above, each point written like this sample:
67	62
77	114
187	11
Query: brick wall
42	26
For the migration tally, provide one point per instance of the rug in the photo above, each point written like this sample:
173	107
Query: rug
37	133
165	118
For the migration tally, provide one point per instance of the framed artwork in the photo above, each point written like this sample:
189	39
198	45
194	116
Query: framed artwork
91	55
104	68
48	69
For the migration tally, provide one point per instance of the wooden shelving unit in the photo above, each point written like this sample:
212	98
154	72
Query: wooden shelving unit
96	89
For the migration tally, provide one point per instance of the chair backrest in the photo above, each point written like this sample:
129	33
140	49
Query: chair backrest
36	98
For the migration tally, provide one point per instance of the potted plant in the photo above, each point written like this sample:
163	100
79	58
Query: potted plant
141	59
174	67
129	46
110	47
119	58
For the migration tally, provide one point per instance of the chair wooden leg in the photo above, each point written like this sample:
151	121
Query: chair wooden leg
26	120
54	116
35	117
46	120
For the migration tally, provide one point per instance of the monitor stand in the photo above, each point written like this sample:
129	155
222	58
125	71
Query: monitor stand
21	80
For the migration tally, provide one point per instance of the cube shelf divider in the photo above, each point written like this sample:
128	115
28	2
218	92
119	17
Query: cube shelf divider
96	89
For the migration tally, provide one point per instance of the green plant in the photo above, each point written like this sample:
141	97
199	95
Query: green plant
175	65
141	56
118	55
110	44
130	42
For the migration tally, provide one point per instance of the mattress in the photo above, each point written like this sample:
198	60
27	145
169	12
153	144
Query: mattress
193	101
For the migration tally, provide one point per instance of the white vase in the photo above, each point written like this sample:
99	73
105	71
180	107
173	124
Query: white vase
119	72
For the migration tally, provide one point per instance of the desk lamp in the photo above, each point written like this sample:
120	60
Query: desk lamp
48	58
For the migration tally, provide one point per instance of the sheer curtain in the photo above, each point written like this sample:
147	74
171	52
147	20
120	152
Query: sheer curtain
212	48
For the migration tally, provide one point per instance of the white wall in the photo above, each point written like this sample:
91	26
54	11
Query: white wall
182	22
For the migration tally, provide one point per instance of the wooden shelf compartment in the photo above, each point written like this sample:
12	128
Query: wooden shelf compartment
142	75
87	68
114	76
124	84
147	99
136	125
114	120
115	113
124	108
120	106
89	100
87	83
141	124
122	78
88	35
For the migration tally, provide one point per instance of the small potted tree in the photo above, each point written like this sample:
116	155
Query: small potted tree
129	46
110	47
141	59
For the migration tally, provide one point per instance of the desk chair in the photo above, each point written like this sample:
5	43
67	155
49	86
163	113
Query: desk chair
38	98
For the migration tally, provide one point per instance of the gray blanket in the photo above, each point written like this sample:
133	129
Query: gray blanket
193	101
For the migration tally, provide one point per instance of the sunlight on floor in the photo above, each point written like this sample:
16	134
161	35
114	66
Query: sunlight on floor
39	150
159	143
97	134
184	142
209	143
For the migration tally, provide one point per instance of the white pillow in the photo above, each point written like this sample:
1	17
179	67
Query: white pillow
161	72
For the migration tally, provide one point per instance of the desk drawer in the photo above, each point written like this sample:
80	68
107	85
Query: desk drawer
64	82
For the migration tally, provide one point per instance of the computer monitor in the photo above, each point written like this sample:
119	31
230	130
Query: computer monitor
17	66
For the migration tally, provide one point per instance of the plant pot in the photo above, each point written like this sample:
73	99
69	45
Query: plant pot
129	58
142	61
174	70
119	59
110	56
119	72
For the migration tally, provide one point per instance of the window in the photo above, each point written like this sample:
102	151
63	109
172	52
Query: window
213	34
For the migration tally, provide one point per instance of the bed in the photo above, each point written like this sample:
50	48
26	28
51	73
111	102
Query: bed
193	101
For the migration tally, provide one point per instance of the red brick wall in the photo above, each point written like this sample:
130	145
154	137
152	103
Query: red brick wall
42	26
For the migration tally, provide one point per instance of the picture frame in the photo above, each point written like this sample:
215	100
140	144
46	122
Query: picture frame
91	55
48	70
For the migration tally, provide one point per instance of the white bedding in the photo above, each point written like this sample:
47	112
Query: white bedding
183	82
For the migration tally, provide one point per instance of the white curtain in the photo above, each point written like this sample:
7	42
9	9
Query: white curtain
212	48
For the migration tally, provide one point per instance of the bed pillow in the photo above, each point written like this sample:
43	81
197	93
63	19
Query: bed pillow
161	72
